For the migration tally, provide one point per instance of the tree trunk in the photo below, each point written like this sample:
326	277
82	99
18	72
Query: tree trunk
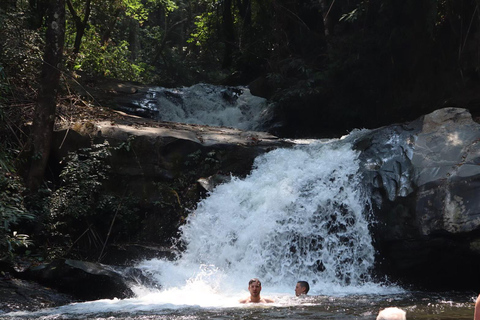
328	16
134	39
37	12
160	46
44	117
80	24
229	33
245	11
111	25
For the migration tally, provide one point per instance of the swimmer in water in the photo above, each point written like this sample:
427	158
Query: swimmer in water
302	288
255	286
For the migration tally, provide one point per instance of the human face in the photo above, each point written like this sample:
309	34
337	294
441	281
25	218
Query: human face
255	288
299	289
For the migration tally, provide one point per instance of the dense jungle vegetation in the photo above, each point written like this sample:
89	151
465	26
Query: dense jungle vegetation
329	65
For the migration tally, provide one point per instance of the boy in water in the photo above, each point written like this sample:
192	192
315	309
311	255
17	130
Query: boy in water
255	286
301	288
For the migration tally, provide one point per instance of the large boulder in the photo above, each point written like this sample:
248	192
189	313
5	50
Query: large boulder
85	280
424	178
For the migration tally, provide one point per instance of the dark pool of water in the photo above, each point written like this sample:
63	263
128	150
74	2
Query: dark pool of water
418	305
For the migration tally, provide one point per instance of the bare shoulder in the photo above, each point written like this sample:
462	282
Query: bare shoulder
268	300
244	300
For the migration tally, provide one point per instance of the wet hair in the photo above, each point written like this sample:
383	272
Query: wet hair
254	280
304	284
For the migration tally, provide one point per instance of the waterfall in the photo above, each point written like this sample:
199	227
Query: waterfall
206	104
300	215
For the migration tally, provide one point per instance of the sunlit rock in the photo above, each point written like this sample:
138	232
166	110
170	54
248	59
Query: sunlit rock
424	178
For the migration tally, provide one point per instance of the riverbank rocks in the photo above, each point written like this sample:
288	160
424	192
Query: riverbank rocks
425	180
87	280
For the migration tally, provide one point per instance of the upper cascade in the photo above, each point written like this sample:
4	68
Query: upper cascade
206	104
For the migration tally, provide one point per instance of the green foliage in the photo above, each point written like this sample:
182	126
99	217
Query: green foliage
203	31
20	54
356	13
12	211
136	10
140	10
115	43
82	212
4	88
19	65
296	79
18	240
82	180
108	59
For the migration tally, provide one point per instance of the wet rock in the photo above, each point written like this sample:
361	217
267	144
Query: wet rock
21	295
211	182
424	178
261	87
87	280
447	167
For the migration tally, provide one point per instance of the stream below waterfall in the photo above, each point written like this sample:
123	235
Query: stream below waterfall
418	305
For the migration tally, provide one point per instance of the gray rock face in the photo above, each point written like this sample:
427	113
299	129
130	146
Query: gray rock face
446	161
425	180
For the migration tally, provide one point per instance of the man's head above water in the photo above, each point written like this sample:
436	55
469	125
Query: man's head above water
302	287
255	287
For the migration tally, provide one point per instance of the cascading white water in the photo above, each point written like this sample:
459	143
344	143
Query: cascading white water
300	215
206	104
